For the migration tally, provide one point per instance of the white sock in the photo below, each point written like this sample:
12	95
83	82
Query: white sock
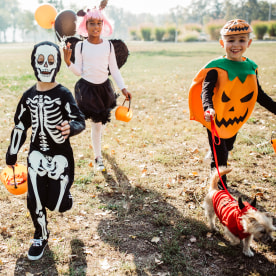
96	135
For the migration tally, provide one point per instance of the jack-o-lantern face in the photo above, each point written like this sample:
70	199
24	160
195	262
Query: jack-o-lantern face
233	104
236	26
234	97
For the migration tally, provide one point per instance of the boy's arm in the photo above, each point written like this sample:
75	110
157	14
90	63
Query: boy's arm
208	89
22	121
265	101
207	94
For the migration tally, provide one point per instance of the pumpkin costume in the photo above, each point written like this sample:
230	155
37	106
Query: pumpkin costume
229	86
234	96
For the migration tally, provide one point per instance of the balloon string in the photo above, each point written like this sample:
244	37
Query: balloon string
214	131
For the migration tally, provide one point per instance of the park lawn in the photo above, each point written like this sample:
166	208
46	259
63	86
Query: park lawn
144	216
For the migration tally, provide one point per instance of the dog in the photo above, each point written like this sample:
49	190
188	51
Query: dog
241	220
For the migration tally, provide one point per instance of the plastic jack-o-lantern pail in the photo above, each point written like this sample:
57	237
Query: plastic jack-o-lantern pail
15	179
273	141
123	113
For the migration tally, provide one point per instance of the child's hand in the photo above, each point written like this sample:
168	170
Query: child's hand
67	51
210	112
64	128
126	94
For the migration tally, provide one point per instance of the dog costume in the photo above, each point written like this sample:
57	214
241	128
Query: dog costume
229	213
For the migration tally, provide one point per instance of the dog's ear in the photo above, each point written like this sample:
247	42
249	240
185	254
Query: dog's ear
241	205
253	202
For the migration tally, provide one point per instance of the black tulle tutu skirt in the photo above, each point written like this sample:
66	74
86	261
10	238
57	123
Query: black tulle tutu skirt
95	100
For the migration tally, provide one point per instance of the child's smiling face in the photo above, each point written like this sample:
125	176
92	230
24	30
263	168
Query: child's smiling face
235	45
94	27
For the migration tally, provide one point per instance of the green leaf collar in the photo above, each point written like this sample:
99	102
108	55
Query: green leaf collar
240	69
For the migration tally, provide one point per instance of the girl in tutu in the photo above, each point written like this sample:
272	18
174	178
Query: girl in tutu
94	58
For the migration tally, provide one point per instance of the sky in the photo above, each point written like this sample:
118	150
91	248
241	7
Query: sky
134	6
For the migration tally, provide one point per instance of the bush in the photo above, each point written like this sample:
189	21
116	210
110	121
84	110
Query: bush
171	33
159	34
213	29
135	35
272	29
146	33
260	29
193	27
190	38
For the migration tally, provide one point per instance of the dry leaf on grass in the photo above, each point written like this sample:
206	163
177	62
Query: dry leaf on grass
155	239
193	239
104	264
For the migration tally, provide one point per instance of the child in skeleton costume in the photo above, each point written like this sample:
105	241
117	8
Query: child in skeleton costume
226	90
93	92
50	109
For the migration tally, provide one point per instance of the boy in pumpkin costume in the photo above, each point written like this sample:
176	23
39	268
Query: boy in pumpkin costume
226	90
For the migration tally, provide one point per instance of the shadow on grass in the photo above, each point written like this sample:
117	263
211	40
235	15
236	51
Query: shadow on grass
78	264
44	267
156	238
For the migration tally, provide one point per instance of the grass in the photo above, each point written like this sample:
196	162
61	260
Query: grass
156	176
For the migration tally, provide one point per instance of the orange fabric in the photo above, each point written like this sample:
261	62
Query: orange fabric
230	115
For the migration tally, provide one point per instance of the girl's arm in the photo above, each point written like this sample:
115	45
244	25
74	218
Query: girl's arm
116	74
76	67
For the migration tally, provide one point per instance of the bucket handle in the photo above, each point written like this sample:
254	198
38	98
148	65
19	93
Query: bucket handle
129	102
15	184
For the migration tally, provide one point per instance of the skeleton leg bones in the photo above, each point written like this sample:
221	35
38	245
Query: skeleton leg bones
54	167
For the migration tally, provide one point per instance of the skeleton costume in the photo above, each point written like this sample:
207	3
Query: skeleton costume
50	158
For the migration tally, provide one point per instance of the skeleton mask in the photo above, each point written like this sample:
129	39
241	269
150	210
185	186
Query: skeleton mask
46	61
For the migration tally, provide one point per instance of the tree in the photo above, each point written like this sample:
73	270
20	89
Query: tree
26	23
8	16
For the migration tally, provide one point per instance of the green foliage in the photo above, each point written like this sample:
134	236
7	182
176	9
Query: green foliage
193	27
190	38
260	29
272	29
135	35
159	33
146	33
213	29
171	34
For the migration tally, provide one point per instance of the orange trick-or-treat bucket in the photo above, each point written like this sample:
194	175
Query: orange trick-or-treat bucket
273	141
15	179
123	113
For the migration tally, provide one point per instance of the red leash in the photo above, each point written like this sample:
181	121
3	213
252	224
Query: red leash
214	131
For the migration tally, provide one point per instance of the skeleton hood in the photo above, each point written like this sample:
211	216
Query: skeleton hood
46	61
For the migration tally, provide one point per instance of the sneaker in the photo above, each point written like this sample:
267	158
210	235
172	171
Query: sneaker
37	249
99	164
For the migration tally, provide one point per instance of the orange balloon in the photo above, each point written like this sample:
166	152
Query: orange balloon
7	177
45	16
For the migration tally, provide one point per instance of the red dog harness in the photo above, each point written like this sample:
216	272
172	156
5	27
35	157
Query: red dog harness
229	213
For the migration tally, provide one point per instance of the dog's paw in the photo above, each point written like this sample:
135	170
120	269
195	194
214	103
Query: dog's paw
248	253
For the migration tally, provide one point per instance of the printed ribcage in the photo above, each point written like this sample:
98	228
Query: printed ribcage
46	115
